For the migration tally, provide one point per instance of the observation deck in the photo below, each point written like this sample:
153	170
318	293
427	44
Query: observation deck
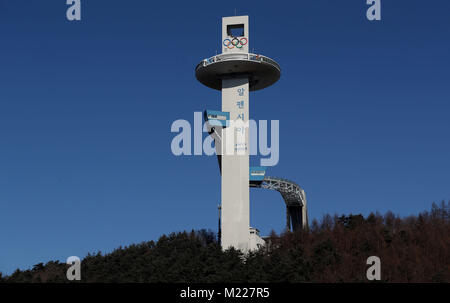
260	70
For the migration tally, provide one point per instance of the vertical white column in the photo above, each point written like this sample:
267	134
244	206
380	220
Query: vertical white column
235	165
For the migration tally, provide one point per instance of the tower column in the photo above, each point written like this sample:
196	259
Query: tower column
235	72
235	165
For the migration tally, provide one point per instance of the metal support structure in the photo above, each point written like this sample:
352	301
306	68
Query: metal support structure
294	197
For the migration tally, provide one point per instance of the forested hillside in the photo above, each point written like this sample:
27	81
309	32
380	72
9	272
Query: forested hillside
411	249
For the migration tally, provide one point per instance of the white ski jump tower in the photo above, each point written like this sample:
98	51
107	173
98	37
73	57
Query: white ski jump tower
235	72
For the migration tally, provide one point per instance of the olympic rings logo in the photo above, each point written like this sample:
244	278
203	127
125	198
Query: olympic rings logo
235	42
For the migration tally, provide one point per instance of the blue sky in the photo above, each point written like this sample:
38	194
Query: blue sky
86	109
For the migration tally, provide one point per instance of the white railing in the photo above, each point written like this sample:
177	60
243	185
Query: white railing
237	56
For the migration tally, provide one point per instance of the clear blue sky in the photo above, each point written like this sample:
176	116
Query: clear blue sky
86	109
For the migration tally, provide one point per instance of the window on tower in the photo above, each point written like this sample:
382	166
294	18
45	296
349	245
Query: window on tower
235	30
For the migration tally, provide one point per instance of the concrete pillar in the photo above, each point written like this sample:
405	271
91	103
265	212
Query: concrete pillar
288	219
235	165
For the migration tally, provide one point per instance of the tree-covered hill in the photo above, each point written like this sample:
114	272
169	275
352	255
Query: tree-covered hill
412	249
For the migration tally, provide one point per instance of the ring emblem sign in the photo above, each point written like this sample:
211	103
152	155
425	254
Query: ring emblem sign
235	42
